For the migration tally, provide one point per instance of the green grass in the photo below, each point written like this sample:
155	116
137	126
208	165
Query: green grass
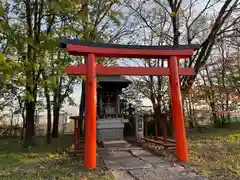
218	132
43	161
216	154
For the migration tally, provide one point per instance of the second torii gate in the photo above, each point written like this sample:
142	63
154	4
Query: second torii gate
91	69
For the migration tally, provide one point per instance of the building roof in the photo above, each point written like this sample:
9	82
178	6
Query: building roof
120	79
113	82
65	42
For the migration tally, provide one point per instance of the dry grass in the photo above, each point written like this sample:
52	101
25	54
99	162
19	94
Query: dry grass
216	154
43	162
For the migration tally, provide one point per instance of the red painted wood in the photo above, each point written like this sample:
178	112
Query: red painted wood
127	53
177	111
90	151
75	137
131	71
167	140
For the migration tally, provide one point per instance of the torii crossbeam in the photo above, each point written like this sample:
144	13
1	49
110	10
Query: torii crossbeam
91	70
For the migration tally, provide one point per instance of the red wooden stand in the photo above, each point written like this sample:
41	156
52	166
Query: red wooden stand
163	140
77	148
91	70
75	141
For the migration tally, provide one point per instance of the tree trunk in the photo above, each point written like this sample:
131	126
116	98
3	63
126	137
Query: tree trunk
23	129
49	119
228	110
56	108
214	114
49	123
11	123
81	109
86	37
22	106
191	120
29	132
170	125
176	34
157	112
56	111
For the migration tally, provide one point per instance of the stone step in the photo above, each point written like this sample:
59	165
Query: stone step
77	151
115	143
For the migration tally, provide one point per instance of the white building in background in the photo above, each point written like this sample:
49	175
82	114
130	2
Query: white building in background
65	124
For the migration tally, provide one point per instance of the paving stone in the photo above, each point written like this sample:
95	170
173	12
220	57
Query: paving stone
164	174
108	162
136	164
142	165
114	167
152	174
126	164
118	154
156	161
122	175
140	152
176	169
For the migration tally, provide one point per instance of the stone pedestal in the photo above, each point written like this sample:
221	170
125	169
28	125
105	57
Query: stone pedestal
110	129
139	127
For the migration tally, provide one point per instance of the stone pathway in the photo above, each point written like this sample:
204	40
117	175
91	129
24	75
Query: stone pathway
135	163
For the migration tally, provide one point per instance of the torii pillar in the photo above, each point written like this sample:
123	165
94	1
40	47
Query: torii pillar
177	110
90	121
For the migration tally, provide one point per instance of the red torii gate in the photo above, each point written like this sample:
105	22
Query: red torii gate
93	50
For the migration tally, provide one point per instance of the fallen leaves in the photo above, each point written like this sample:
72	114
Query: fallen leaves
44	162
217	157
51	156
83	178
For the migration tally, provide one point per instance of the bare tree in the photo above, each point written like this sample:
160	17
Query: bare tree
189	23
